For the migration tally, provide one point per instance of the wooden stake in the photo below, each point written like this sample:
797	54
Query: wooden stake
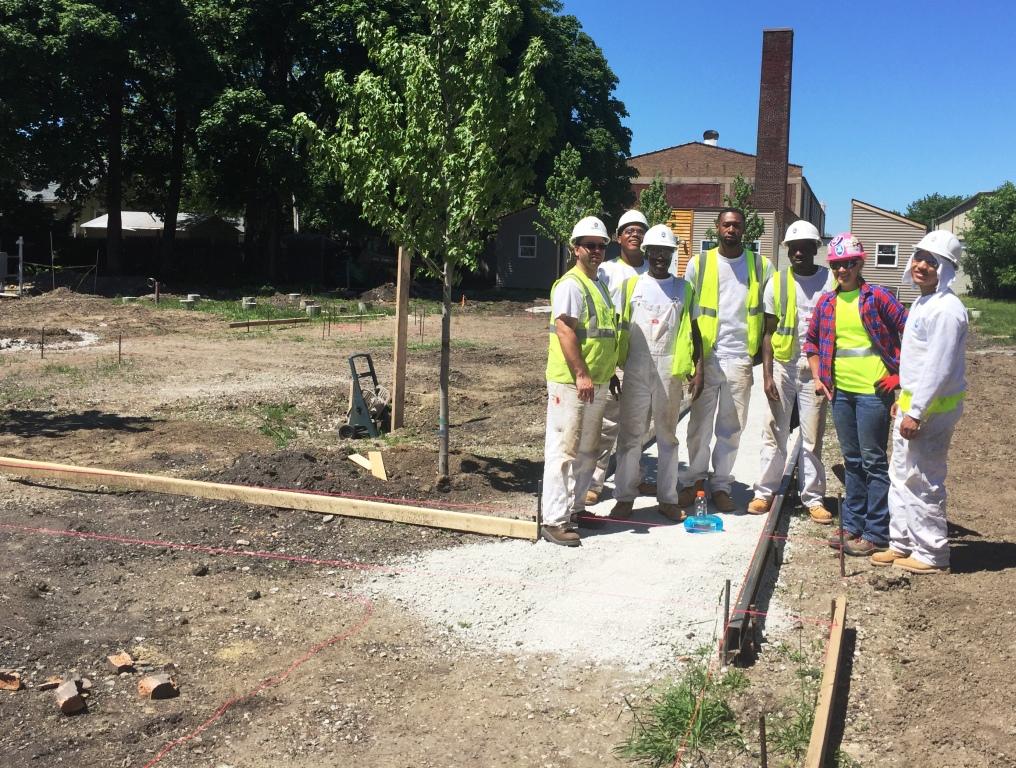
307	501
401	339
377	465
827	688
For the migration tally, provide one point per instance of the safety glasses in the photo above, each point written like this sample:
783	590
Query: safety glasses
844	264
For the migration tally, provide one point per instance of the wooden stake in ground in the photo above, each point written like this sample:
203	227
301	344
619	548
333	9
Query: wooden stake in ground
827	688
306	500
401	338
377	465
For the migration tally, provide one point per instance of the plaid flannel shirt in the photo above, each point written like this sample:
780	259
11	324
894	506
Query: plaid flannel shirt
883	318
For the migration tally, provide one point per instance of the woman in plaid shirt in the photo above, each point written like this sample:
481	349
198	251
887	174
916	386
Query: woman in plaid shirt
853	348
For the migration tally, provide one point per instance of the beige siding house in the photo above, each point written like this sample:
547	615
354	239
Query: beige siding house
889	240
956	221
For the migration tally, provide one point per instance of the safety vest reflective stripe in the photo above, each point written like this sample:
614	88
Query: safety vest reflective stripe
708	298
857	352
785	296
591	329
942	404
708	312
596	334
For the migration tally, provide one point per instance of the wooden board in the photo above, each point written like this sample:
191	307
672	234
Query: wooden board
363	461
401	339
827	690
307	501
262	323
377	465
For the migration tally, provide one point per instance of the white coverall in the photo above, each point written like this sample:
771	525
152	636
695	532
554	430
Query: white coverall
794	381
722	408
612	273
649	387
932	365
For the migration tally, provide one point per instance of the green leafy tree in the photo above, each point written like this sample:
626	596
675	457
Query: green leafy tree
437	139
930	207
653	202
754	225
990	243
569	197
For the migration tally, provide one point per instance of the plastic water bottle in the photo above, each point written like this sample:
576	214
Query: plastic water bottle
701	521
701	509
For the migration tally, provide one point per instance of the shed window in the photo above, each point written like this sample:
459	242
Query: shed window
527	246
885	254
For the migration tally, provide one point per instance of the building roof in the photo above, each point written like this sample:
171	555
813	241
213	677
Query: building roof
707	146
890	214
966	205
143	221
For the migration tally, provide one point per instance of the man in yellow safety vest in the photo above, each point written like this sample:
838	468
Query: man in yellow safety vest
581	358
789	300
728	283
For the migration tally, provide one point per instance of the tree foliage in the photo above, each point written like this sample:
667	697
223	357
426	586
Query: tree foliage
653	202
930	207
754	225
990	244
569	197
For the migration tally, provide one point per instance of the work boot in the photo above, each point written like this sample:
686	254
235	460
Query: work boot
723	502
820	515
592	497
687	495
758	506
883	559
559	534
672	512
834	540
647	489
862	548
622	510
911	565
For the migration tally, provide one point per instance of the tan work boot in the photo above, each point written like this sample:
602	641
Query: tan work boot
916	566
820	515
592	497
560	534
723	502
687	495
883	559
622	510
672	512
758	506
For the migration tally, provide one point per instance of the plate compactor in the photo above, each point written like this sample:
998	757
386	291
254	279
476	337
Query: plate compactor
370	404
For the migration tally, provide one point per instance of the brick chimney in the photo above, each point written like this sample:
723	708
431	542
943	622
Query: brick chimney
772	154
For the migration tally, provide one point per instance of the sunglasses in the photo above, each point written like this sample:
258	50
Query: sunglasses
845	264
927	258
598	245
633	231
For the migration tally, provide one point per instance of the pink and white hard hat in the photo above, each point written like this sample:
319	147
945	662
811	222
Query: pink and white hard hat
845	246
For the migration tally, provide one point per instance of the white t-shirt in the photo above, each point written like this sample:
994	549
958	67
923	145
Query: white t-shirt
613	273
568	298
732	326
809	289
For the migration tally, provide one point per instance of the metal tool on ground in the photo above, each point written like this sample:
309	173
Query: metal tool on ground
369	403
701	522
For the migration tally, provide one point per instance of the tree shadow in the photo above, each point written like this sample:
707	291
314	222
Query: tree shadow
979	555
49	424
519	476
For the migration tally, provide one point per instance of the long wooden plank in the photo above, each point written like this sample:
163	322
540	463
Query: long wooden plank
827	689
401	339
262	323
362	461
377	465
309	501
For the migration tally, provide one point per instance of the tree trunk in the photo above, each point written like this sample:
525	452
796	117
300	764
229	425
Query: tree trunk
173	193
114	175
446	344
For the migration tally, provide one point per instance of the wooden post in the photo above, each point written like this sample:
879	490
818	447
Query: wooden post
401	339
815	756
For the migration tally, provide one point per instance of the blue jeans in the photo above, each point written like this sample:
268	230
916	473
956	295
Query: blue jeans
862	426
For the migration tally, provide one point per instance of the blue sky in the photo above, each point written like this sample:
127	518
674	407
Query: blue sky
890	101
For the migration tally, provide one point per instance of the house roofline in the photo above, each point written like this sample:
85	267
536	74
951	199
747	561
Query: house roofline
702	144
890	214
966	205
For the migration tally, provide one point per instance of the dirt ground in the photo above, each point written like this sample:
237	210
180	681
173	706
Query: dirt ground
255	613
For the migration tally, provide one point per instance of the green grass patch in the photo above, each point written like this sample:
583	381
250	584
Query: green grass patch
15	393
84	374
997	321
232	310
280	421
431	346
673	717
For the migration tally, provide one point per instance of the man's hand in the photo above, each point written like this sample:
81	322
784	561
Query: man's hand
769	387
909	427
585	388
695	382
823	390
615	387
892	410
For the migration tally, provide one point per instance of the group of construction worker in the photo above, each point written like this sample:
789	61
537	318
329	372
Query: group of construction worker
628	337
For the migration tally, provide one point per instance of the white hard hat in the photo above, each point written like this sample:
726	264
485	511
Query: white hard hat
661	235
802	230
590	226
942	243
631	217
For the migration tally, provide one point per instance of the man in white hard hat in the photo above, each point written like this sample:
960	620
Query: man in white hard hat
789	300
659	349
728	282
933	382
581	359
631	228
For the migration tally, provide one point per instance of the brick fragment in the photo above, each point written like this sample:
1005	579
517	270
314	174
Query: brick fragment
121	662
158	686
10	681
50	683
68	698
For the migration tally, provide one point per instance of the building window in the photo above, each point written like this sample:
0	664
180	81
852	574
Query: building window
527	246
756	247
705	245
885	254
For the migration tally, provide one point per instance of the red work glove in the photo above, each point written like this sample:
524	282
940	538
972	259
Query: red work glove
888	383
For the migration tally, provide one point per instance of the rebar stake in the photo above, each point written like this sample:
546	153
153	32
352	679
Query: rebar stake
726	620
839	513
119	348
763	749
42	344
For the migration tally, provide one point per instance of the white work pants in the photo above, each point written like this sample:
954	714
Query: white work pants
721	411
795	384
917	522
573	435
608	437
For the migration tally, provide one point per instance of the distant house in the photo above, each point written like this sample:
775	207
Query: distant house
957	220
889	240
522	258
189	226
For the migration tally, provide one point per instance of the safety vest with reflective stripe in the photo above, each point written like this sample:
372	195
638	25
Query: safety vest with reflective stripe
596	332
785	304
942	404
707	292
684	363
